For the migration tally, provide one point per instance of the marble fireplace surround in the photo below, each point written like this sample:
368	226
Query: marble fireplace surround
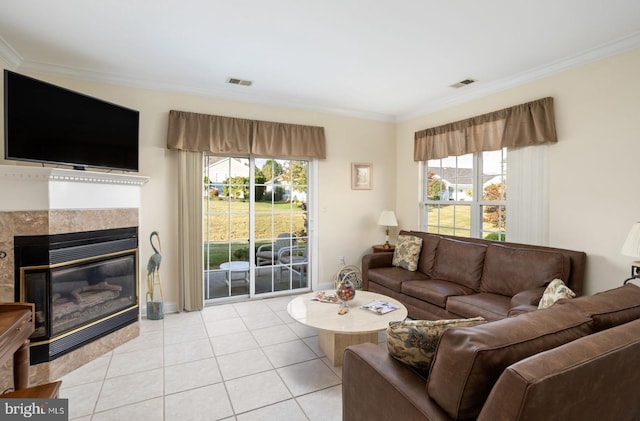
46	201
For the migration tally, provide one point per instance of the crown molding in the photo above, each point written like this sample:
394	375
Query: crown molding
8	54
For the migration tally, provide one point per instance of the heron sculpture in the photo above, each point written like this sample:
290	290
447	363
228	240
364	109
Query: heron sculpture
153	272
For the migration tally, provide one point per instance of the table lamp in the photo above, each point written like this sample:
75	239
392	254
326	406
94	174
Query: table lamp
631	247
388	219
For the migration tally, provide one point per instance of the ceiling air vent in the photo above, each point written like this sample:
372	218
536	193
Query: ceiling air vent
236	81
462	83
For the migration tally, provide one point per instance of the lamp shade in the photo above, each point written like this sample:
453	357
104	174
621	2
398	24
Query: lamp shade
388	218
631	246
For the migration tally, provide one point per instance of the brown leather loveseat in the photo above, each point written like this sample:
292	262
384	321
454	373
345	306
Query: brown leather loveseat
576	360
466	277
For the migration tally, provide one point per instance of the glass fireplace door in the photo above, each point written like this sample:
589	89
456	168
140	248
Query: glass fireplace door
70	296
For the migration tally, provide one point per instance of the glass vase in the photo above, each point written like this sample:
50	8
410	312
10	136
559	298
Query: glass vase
346	291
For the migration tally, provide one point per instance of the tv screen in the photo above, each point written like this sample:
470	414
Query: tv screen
50	124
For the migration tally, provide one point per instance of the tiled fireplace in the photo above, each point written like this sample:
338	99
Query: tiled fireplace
51	205
83	285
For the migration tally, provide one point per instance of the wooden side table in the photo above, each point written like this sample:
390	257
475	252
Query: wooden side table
379	248
42	391
16	325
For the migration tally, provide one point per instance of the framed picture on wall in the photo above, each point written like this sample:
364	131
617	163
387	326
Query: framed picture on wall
361	178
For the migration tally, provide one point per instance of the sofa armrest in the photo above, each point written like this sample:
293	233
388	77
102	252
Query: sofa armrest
375	386
542	387
527	297
525	301
374	260
522	308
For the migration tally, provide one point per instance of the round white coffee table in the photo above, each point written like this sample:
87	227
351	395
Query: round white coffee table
241	267
335	331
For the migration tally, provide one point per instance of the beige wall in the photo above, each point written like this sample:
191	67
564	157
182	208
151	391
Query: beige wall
346	218
594	169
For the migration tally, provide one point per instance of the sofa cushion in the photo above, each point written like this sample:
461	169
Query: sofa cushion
608	308
468	361
414	341
509	270
483	304
460	262
556	290
434	291
393	277
407	252
428	252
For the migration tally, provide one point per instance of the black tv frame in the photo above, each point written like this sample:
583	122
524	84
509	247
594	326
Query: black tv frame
49	124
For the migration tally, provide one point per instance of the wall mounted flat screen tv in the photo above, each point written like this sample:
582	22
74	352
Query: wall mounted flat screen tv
50	124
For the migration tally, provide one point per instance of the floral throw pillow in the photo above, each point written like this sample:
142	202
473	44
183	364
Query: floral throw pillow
407	252
414	342
556	290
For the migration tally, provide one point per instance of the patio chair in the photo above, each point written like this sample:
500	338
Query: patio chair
267	254
293	258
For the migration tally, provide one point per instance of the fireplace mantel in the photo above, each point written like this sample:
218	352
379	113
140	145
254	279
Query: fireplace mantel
50	201
27	188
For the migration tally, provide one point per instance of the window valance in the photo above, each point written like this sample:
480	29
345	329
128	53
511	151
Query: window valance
532	123
234	136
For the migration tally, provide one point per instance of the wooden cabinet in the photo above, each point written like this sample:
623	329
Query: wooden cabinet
16	325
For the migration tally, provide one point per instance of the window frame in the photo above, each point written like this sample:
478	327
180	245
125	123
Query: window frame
309	239
476	227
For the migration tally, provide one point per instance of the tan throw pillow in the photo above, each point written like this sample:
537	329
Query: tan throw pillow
414	342
407	252
556	290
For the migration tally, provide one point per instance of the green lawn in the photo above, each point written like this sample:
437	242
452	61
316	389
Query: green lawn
458	216
232	217
227	224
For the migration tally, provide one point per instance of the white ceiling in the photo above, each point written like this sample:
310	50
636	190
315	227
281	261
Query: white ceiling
380	59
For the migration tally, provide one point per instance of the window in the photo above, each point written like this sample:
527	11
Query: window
255	226
466	195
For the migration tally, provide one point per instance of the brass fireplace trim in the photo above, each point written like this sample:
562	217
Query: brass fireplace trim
73	262
83	327
84	260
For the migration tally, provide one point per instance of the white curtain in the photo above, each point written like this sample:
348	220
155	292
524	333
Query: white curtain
190	267
527	195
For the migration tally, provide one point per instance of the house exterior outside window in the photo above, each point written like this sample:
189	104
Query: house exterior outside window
466	195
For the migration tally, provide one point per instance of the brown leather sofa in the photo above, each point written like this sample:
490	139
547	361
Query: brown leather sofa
577	360
467	277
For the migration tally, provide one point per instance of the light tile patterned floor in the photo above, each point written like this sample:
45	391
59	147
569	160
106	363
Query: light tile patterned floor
243	361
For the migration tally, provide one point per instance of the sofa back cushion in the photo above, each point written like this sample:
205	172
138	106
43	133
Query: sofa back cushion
469	360
509	270
609	308
460	262
428	252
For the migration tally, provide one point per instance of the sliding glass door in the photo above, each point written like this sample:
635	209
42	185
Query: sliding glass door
256	240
